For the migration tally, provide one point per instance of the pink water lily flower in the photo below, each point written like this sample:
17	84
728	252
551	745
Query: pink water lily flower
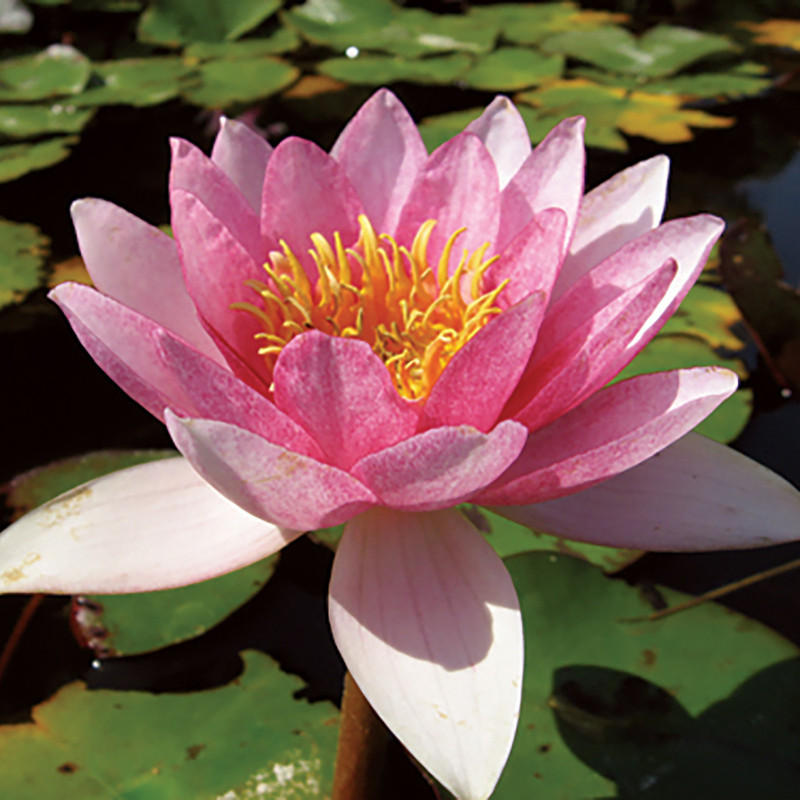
373	336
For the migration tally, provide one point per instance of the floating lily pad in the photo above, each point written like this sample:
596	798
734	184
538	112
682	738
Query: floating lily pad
374	70
609	109
282	41
222	82
510	538
512	68
121	625
661	51
22	252
381	25
784	33
20	122
176	22
530	23
59	70
71	269
702	703
250	738
708	313
18	159
136	81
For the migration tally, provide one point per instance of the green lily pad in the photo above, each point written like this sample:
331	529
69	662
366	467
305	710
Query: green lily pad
122	625
136	623
381	25
136	81
250	738
59	70
22	252
222	83
530	23
18	159
709	314
661	51
176	22
512	68
510	538
381	70
282	40
680	351
20	122
700	704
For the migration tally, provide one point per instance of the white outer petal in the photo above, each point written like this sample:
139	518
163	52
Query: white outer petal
694	495
428	622
153	526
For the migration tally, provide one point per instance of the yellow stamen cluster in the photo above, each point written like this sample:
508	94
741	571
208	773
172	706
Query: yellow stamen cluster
413	317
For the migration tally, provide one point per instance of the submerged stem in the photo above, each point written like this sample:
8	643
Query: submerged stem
362	747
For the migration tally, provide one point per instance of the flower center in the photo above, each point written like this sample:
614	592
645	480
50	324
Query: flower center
415	318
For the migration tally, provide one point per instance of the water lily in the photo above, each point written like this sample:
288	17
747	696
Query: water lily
373	337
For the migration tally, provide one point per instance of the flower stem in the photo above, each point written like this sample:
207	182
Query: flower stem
719	592
33	602
362	747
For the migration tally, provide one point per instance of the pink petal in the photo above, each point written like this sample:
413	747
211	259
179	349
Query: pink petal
686	241
342	394
270	482
457	187
217	394
694	495
153	526
481	376
552	175
616	212
381	153
531	260
560	375
503	131
124	344
242	155
138	265
216	267
305	192
195	173
428	622
440	467
615	429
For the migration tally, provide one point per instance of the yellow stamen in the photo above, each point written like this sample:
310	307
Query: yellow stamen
414	317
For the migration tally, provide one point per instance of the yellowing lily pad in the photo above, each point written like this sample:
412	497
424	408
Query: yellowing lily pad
176	22
22	252
700	704
710	314
250	738
775	32
610	109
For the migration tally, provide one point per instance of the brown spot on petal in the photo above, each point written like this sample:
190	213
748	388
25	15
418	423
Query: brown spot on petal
18	573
